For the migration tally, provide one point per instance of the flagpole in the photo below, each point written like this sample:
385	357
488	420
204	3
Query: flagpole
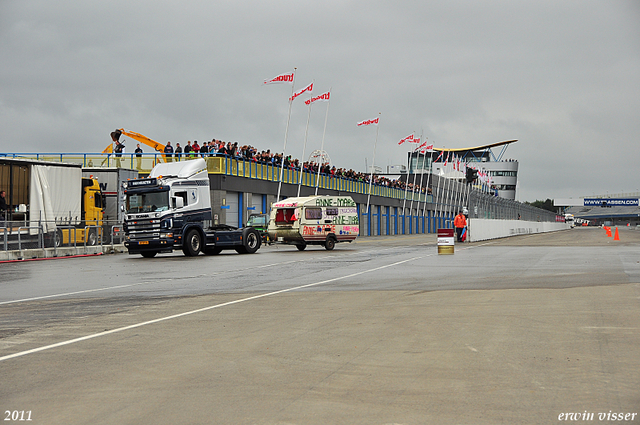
442	185
326	116
439	195
458	197
406	187
413	189
373	164
421	173
286	132
426	191
437	198
447	191
304	146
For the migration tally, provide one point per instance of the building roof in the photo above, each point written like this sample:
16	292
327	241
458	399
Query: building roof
477	148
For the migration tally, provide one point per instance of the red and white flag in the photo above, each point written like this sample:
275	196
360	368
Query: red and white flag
439	156
446	161
409	138
309	88
282	78
424	148
324	97
374	121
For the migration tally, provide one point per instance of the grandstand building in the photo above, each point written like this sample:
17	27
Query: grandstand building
503	173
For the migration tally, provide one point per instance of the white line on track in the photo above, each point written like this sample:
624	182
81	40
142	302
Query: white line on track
200	310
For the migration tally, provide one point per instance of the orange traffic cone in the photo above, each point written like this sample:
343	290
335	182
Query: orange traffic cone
608	230
616	237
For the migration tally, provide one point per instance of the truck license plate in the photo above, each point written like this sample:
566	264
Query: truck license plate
143	243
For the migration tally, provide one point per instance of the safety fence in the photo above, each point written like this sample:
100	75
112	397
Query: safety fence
22	235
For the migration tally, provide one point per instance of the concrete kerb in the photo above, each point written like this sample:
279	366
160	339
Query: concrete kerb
61	252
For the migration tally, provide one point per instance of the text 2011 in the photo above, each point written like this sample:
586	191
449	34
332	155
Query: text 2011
17	415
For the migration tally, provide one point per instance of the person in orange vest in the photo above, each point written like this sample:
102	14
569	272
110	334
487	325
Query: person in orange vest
460	222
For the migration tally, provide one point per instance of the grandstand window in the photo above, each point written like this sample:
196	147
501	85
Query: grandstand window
504	173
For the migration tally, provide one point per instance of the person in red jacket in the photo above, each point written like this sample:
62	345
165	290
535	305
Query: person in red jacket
460	222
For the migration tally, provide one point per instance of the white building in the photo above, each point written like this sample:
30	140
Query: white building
503	174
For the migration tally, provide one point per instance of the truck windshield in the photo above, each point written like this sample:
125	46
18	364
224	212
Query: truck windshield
257	220
147	202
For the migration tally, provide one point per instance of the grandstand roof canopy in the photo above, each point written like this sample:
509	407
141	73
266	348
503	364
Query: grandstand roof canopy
477	148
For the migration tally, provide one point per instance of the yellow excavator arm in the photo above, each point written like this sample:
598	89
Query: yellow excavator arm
115	136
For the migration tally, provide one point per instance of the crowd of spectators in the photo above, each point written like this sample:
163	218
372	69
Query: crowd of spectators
250	153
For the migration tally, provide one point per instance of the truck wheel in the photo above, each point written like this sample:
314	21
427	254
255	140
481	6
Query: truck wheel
301	247
192	243
251	241
92	238
58	238
148	254
330	243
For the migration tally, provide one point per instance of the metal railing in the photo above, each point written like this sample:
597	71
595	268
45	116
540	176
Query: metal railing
225	165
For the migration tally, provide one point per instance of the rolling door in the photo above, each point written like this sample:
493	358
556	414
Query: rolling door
232	210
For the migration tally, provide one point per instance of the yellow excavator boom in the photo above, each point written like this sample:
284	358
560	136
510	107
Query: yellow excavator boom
115	136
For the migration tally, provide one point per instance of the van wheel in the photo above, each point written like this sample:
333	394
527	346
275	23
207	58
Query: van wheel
330	243
192	243
301	247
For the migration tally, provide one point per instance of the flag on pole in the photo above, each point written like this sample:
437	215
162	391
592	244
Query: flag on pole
374	121
409	138
446	160
424	148
282	78
324	97
439	156
309	88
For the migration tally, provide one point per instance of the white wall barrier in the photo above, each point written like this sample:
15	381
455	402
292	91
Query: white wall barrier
482	229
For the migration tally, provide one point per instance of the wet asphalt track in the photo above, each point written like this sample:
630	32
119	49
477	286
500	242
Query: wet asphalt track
380	331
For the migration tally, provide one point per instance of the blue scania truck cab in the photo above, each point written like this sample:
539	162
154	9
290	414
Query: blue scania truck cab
171	209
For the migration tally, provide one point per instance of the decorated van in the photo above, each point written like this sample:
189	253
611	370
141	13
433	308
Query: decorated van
314	220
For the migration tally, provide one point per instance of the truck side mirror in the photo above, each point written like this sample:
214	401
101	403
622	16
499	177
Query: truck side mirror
177	202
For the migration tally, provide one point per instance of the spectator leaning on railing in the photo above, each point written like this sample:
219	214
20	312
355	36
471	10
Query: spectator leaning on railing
250	153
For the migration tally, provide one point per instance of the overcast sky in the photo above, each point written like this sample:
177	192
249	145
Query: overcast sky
561	77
